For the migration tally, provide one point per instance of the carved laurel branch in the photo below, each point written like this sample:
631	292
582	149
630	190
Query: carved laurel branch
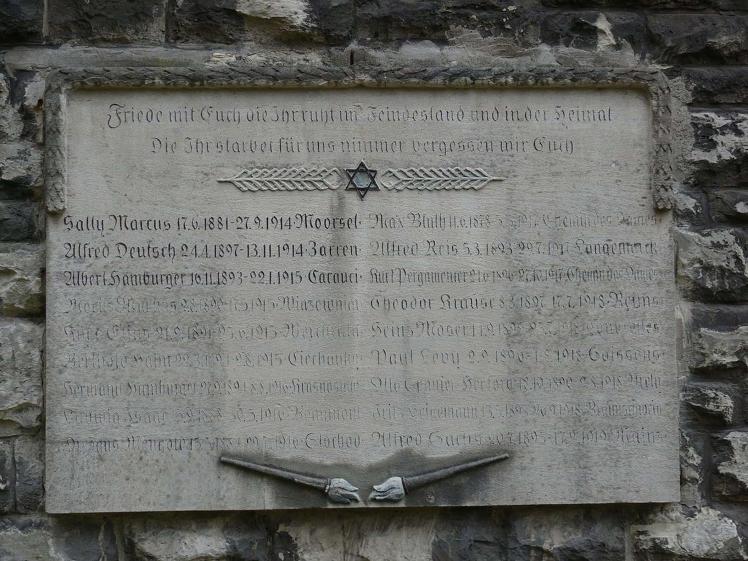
310	179
285	179
436	179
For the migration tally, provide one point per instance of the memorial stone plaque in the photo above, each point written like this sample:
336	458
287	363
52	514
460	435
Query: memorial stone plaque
359	284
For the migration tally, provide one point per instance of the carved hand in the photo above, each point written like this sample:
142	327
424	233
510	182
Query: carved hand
338	490
390	490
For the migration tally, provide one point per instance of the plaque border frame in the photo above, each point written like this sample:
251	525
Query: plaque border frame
648	80
329	76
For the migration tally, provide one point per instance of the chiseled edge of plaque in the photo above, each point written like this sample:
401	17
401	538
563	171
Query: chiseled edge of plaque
330	76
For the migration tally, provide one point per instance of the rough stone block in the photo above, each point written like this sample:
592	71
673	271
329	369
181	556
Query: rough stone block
29	461
292	13
678	533
714	84
730	480
468	535
373	536
716	402
7	476
721	349
31	85
21	282
334	19
656	4
573	534
251	537
202	539
168	544
29	88
393	20
11	124
228	21
21	164
691	469
712	264
83	539
690	207
21	21
21	365
728	205
25	538
107	21
698	38
208	20
18	221
720	151
718	317
593	30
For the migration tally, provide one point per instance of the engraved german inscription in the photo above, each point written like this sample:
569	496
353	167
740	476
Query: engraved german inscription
498	285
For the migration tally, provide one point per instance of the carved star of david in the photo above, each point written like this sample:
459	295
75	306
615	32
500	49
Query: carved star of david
362	180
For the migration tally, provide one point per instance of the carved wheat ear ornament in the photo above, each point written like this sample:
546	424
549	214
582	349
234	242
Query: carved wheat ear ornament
338	490
284	179
437	179
361	179
395	488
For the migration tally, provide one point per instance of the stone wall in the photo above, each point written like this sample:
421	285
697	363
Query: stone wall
702	45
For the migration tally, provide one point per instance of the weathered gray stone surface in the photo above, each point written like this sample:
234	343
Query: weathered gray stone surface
21	283
204	543
36	538
83	539
21	21
729	205
227	21
721	349
716	402
20	164
376	536
731	477
24	538
680	534
18	221
712	264
29	473
699	39
245	537
10	119
719	153
575	535
21	395
7	476
108	21
648	4
715	85
692	468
